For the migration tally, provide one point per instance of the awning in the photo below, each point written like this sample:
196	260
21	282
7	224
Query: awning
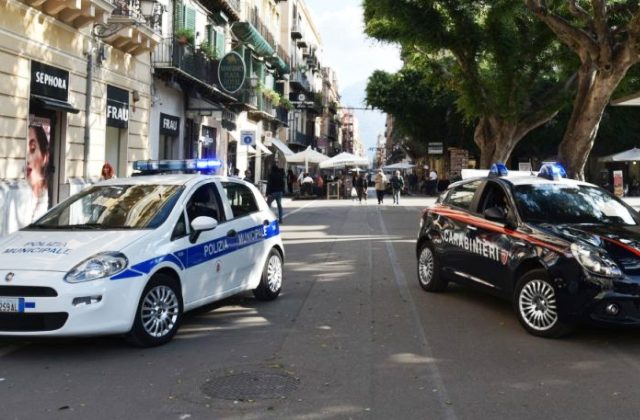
264	149
250	35
54	104
250	149
280	65
281	146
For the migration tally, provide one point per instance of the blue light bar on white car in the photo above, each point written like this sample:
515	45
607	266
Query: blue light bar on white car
184	165
552	171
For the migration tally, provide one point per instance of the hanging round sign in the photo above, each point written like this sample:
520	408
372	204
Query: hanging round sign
231	72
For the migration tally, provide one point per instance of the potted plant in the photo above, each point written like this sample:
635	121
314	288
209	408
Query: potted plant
208	50
286	103
185	36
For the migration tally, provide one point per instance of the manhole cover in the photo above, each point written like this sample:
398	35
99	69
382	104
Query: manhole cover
251	386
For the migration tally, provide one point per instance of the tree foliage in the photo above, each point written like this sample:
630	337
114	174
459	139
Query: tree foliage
604	35
506	69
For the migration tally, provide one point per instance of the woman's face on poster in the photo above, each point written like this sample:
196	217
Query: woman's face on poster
36	159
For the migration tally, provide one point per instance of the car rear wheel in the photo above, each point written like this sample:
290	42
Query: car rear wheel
271	281
429	274
536	303
159	313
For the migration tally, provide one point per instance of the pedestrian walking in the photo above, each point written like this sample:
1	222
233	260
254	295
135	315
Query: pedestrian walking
433	182
381	183
291	180
397	184
275	188
248	176
361	187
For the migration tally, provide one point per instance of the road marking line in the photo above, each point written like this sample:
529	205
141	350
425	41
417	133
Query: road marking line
297	210
401	282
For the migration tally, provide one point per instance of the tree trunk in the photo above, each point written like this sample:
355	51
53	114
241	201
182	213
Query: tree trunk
594	93
496	139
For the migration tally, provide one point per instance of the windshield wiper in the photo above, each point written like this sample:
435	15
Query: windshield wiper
87	226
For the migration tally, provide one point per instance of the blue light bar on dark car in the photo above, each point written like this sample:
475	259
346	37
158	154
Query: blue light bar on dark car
552	171
498	169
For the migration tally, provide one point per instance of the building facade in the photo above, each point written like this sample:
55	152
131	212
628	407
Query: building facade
75	94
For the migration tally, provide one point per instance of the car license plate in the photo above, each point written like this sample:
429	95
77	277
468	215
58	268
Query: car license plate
9	304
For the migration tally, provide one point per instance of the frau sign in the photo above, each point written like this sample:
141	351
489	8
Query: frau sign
117	107
169	125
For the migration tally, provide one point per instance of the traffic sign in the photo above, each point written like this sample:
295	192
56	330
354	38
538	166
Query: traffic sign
248	138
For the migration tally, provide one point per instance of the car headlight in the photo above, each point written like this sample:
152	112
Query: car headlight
96	267
595	262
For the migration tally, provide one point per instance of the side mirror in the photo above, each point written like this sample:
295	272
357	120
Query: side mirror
495	214
201	224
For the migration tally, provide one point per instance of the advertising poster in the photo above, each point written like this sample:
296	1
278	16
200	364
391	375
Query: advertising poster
618	185
37	164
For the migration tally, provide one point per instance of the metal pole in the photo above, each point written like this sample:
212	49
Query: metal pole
87	112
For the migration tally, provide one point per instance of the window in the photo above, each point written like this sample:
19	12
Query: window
462	196
203	202
493	196
180	230
240	198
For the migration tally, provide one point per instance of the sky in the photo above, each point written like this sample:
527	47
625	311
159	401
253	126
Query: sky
354	57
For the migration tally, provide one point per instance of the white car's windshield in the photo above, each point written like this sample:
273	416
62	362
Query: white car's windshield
554	203
113	207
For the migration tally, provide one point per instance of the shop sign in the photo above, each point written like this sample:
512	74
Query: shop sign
49	81
169	125
231	72
435	148
618	185
248	138
117	107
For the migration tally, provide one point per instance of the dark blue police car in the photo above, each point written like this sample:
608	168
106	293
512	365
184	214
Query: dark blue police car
564	251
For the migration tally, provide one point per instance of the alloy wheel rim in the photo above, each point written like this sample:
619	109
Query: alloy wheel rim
159	311
425	266
538	305
274	273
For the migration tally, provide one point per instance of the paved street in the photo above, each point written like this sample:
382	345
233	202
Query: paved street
351	336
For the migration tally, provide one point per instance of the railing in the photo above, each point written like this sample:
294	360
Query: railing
260	26
301	138
300	78
283	55
248	97
282	114
296	31
333	131
128	8
170	53
266	105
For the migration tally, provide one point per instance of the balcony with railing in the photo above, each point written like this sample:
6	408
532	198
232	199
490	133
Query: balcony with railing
296	31
261	27
185	59
300	138
128	30
77	13
299	80
282	114
232	8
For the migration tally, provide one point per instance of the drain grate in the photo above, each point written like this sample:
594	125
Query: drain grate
251	386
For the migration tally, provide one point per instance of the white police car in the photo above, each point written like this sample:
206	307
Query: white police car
131	255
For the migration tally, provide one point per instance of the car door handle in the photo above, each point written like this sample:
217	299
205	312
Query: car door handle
232	233
472	228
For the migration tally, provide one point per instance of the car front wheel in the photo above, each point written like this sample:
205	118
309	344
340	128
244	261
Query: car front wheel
271	281
429	274
536	303
159	313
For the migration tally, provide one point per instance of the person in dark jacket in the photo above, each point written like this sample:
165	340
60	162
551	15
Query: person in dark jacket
275	188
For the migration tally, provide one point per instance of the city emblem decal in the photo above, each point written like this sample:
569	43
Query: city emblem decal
504	256
9	277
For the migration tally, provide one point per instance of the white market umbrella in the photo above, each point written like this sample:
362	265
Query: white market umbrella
626	156
400	166
307	156
343	160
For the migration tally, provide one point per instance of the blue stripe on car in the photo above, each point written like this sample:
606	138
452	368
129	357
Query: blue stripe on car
199	254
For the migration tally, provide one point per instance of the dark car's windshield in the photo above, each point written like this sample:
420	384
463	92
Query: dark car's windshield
113	207
558	203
